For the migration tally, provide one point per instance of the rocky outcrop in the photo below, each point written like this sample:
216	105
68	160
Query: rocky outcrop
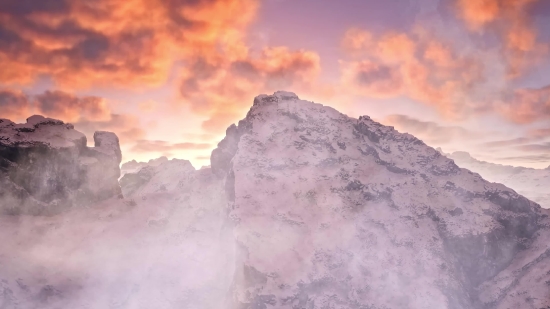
46	167
335	212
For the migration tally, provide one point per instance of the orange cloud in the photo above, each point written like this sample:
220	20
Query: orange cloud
510	20
143	146
147	106
221	87
71	108
55	104
14	105
527	105
540	133
80	43
458	80
87	113
373	79
478	13
127	127
416	65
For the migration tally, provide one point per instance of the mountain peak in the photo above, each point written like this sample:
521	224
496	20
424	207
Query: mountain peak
311	186
462	155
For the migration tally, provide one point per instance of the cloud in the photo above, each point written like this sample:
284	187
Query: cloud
430	132
529	158
127	127
203	158
221	88
71	108
527	105
540	133
14	104
373	79
527	142
87	113
507	143
458	77
139	42
147	106
416	65
199	136
55	104
80	43
535	147
144	146
511	21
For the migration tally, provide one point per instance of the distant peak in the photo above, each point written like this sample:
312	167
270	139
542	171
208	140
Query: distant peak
462	155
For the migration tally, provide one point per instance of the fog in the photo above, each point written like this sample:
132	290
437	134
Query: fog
303	207
162	250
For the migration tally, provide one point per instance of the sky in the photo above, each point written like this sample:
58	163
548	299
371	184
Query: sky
169	76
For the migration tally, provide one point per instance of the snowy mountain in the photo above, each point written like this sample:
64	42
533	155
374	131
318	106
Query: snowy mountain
303	207
529	182
335	212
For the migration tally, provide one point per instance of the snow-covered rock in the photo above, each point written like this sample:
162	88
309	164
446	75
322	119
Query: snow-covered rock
335	212
46	167
529	182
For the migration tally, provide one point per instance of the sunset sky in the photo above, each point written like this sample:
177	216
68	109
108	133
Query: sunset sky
169	76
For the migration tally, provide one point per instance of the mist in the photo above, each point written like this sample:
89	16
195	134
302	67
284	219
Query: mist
302	207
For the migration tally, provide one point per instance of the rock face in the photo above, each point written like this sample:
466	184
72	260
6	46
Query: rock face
330	211
529	182
46	167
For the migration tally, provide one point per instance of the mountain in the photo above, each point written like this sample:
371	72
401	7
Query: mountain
46	167
529	182
335	212
302	207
